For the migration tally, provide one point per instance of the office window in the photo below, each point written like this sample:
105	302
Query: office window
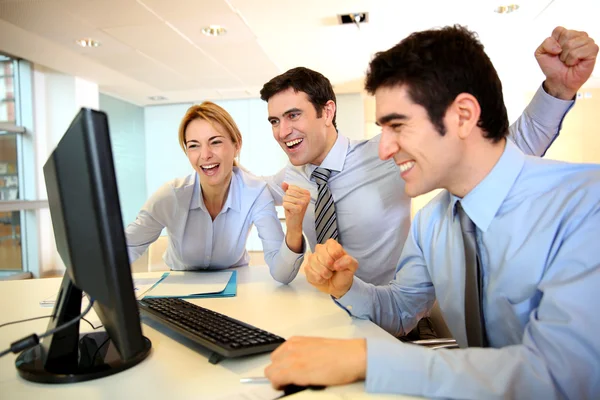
10	221
17	211
7	90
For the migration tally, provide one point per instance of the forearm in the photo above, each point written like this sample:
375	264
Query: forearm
558	90
284	263
387	306
295	240
135	252
139	236
476	373
539	125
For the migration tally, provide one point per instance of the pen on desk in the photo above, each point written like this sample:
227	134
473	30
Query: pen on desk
254	379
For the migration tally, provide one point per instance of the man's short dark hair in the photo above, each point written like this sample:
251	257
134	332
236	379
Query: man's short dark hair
316	86
436	66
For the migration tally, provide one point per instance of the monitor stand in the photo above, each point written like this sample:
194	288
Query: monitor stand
68	356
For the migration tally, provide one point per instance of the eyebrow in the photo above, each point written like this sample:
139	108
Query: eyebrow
211	138
390	117
291	110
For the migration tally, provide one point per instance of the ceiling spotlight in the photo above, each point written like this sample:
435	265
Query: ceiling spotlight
214	30
354	18
506	9
87	42
157	98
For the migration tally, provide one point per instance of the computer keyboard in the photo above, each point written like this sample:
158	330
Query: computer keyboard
225	336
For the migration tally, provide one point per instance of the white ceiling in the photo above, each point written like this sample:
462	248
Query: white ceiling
156	48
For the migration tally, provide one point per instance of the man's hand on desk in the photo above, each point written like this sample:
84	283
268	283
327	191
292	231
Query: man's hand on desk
316	361
330	269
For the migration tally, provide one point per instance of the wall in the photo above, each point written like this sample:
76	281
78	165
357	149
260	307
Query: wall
579	140
164	158
126	125
351	115
57	99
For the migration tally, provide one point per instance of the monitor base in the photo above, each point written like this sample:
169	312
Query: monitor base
98	357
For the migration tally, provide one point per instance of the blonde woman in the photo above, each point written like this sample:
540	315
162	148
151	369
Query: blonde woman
208	214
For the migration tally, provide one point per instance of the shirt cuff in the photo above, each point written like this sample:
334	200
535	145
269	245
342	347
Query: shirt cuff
288	256
396	367
287	264
355	301
548	110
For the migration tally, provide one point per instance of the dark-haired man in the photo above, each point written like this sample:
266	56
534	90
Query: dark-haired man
508	248
362	202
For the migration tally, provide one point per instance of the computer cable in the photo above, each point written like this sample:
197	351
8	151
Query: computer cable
33	339
24	320
100	347
42	317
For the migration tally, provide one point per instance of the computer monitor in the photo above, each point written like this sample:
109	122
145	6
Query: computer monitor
88	228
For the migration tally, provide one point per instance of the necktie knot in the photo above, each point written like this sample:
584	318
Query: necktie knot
321	175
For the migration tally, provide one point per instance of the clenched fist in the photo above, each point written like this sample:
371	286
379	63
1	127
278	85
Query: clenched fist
330	269
295	203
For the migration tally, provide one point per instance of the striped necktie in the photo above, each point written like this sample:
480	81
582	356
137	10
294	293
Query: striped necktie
325	219
474	319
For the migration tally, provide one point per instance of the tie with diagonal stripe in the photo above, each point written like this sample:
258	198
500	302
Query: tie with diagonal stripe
325	218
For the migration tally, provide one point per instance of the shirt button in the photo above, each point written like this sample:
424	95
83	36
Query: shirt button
349	308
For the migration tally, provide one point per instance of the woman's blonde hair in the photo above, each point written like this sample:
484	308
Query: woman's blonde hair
214	115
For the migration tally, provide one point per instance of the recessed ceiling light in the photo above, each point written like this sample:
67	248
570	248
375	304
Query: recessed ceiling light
87	42
506	9
214	30
157	98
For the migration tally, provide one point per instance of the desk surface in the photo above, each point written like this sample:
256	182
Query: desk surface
177	368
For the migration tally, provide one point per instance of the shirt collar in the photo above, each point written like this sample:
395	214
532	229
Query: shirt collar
483	202
233	200
335	158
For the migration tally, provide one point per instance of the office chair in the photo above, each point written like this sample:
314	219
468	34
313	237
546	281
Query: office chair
444	339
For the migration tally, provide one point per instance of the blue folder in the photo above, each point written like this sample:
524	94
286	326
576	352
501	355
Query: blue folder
229	291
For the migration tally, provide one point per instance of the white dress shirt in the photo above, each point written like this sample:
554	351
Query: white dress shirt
373	211
198	242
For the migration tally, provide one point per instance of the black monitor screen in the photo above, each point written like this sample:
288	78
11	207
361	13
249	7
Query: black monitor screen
88	227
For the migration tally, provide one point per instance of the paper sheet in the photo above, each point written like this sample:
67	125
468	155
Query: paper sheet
190	283
140	286
266	392
260	392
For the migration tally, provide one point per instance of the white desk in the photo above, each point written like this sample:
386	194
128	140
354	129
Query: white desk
177	368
